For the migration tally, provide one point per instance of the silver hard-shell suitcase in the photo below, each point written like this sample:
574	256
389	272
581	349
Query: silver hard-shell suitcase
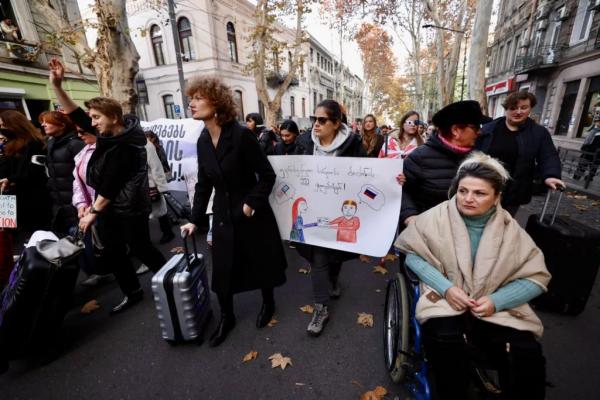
182	296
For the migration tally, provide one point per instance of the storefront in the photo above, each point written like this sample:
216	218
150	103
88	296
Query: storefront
31	94
496	93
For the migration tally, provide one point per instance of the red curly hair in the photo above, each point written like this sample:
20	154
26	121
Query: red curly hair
217	93
59	119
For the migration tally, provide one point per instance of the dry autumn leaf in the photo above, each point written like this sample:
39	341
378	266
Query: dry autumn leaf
376	394
272	322
365	320
307	309
380	270
304	270
250	356
581	207
177	250
390	257
90	307
365	259
278	360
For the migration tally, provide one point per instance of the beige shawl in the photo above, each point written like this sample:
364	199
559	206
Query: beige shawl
505	253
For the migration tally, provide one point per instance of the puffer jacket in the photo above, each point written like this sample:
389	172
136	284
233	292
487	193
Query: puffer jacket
133	198
60	161
429	171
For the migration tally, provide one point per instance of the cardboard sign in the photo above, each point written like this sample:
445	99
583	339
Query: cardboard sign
8	211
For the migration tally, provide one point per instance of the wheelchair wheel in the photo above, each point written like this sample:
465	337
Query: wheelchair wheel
396	328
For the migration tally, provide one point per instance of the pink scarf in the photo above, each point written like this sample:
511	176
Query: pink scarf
453	147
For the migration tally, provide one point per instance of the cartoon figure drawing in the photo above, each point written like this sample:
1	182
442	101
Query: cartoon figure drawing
298	208
347	224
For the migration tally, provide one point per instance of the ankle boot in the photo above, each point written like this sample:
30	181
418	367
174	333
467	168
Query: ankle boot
226	324
265	315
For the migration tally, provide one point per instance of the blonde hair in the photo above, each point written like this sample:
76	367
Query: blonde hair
482	166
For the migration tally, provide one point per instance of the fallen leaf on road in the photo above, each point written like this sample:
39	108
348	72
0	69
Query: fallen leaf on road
278	360
177	250
578	196
390	257
90	307
365	259
272	322
250	356
300	384
378	290
304	270
376	394
380	270
355	382
365	320
307	309
581	207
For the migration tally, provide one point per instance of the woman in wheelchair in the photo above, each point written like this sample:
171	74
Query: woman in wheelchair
478	269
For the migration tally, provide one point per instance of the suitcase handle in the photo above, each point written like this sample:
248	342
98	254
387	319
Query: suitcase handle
185	238
561	189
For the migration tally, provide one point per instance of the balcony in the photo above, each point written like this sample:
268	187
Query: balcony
19	52
545	56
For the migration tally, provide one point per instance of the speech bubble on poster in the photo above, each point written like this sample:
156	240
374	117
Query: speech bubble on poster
372	197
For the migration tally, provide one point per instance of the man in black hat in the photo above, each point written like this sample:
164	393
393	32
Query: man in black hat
429	169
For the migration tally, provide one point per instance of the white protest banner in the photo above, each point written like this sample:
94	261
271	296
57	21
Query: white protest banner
178	138
344	203
8	211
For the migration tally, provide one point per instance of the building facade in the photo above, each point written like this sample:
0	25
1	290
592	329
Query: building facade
213	36
552	49
24	82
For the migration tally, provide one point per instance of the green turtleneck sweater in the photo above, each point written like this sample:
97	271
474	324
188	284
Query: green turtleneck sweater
513	294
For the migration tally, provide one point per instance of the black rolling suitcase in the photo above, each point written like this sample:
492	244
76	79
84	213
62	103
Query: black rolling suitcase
572	253
37	297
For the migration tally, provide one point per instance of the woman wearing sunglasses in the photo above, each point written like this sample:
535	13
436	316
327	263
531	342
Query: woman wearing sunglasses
408	138
330	137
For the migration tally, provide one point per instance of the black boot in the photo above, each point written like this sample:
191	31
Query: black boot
265	315
128	301
166	229
226	324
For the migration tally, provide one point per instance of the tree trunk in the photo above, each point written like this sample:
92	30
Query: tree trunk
116	56
261	34
478	53
115	61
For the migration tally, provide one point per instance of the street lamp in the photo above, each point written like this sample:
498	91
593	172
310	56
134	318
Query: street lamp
462	85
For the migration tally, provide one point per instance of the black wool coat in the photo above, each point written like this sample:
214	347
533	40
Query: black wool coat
429	171
60	160
247	252
536	151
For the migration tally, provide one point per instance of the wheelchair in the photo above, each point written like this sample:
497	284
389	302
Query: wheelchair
404	356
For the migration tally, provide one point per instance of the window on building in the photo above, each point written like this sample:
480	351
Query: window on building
320	97
591	108
289	61
311	55
555	32
566	109
583	22
314	99
157	44
276	60
329	94
500	59
232	42
292	106
515	52
169	105
303	107
184	28
239	101
507	63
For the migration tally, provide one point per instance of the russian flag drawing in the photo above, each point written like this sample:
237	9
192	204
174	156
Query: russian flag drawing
370	194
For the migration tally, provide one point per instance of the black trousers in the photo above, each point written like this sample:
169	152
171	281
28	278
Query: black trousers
118	232
226	301
454	344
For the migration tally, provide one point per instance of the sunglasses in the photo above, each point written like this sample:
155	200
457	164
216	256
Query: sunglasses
320	120
413	123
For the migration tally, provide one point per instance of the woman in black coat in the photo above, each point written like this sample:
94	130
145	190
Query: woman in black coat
330	137
63	146
23	178
247	251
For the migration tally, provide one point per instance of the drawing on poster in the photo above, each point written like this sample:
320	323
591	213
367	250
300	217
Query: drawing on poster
347	224
339	203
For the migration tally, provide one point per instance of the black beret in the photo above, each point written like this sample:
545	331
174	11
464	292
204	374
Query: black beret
466	112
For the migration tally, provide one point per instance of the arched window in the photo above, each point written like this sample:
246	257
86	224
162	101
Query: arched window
169	105
157	42
184	28
233	54
239	101
292	106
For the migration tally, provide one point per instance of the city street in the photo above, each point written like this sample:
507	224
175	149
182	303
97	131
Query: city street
124	357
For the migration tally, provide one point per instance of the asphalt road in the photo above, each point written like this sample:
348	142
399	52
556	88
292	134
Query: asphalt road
124	357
